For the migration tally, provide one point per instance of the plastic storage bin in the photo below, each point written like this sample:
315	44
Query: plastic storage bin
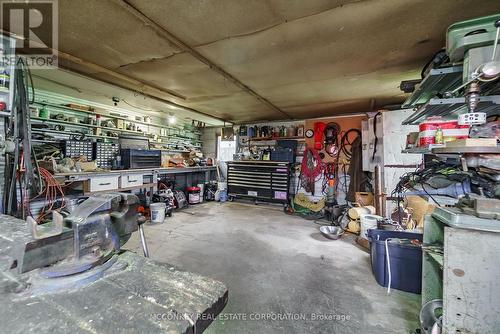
406	260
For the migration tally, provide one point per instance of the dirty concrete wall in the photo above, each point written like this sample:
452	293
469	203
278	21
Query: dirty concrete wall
393	142
209	139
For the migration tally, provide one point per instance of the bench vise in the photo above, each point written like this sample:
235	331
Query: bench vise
72	250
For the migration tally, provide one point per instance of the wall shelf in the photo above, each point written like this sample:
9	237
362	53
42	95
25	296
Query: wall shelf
467	149
64	133
180	135
275	138
83	125
105	114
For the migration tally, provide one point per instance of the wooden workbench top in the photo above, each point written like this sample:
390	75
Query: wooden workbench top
172	170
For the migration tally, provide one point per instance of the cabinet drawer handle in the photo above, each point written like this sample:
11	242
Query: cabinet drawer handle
132	181
105	184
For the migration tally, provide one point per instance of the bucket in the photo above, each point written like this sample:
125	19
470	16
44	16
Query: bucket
357	212
368	222
157	212
223	195
202	191
221	185
193	195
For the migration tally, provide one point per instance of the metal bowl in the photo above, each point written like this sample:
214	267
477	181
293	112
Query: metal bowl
331	232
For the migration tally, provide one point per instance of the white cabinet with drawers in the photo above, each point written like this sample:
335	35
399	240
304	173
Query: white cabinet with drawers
131	180
102	183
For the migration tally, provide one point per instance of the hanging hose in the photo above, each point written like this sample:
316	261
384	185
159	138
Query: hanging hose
311	168
346	143
388	265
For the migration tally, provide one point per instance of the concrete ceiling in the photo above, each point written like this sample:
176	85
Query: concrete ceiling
260	59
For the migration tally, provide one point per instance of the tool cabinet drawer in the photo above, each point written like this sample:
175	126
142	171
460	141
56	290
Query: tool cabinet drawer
261	180
131	180
102	183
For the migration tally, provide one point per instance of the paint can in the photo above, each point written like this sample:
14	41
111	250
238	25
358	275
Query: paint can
157	212
368	222
202	191
193	195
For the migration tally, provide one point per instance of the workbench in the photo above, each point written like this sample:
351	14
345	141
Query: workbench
460	265
133	179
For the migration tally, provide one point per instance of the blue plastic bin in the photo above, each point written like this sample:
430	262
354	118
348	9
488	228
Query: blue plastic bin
406	260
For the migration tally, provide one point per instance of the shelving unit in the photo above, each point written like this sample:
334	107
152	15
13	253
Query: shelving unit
83	125
275	138
176	136
100	112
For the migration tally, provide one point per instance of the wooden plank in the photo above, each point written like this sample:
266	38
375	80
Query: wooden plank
472	142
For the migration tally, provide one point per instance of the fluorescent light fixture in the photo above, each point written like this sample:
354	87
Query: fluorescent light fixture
171	119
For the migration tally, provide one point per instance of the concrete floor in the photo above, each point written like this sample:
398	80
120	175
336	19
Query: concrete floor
275	264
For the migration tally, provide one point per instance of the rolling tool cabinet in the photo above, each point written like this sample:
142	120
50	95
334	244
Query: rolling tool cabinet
259	180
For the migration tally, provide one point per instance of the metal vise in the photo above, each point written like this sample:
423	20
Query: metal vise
85	240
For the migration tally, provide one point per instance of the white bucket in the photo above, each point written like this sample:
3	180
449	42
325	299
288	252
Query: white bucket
221	185
202	191
157	212
368	222
194	198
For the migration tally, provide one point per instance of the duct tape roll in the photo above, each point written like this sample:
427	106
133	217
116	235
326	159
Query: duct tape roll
368	221
357	212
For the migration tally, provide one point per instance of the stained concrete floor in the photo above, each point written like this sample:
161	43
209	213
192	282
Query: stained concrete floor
279	266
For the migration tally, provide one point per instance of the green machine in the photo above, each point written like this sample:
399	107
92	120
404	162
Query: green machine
471	34
467	83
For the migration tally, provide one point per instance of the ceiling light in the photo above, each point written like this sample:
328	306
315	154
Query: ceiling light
171	119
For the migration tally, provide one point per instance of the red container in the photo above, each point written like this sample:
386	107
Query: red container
193	195
451	130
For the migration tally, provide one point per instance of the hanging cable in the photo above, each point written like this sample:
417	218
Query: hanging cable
332	131
346	142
